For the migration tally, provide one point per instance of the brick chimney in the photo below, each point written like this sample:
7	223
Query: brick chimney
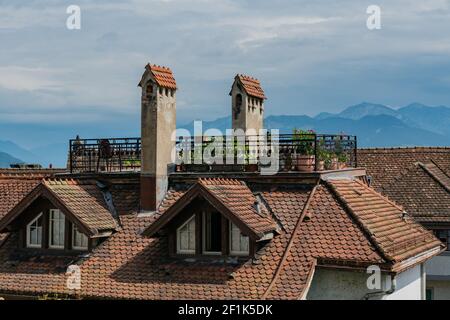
158	123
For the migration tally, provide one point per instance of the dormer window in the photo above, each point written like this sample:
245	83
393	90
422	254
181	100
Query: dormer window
218	235
239	243
34	232
207	220
79	240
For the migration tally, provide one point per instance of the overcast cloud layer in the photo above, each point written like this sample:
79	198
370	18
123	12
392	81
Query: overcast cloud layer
311	56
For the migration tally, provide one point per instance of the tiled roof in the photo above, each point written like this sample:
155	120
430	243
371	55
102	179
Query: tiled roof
163	76
440	176
13	189
389	227
252	86
317	229
416	178
420	194
384	164
17	183
237	197
85	200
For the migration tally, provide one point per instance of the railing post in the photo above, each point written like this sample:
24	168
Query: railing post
315	152
70	156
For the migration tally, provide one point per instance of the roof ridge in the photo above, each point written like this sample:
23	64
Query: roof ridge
291	242
435	177
415	148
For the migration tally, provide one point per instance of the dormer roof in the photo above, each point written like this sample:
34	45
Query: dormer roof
83	201
230	197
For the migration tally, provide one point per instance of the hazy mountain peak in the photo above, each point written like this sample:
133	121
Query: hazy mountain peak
364	109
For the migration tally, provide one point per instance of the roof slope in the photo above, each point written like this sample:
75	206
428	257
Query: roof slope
252	86
236	196
163	76
384	164
388	226
85	200
416	178
421	195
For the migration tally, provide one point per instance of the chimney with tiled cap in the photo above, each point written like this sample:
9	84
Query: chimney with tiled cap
247	104
158	123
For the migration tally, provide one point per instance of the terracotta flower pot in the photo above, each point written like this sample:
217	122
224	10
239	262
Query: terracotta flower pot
304	163
334	164
321	165
342	165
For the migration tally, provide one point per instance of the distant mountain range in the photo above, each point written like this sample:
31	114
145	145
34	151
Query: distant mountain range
6	160
375	125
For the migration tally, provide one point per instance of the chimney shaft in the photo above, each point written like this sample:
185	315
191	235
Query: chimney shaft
158	123
247	104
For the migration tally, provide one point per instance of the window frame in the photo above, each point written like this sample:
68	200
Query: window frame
50	230
28	234
230	241
74	232
178	236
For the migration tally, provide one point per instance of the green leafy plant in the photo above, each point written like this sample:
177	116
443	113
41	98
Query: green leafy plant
303	141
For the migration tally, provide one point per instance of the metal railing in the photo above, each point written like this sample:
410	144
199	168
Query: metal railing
293	152
104	155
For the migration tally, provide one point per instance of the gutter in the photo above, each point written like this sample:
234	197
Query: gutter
369	295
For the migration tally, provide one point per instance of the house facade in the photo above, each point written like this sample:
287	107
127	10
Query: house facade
103	230
418	179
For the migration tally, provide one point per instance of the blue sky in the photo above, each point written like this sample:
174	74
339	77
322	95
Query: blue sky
311	56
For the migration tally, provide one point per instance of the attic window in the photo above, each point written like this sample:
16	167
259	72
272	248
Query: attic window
79	240
34	232
57	229
239	243
186	237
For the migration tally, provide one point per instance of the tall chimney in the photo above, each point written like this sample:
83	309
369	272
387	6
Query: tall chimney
158	123
247	104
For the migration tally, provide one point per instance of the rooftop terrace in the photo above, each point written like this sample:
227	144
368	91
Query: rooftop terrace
299	152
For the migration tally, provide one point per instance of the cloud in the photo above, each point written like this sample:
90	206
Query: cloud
29	79
311	56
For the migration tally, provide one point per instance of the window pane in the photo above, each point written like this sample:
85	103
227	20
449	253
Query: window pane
34	232
80	240
186	237
239	242
57	226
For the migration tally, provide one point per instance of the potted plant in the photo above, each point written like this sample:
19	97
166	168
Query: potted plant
304	157
334	162
342	161
287	161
